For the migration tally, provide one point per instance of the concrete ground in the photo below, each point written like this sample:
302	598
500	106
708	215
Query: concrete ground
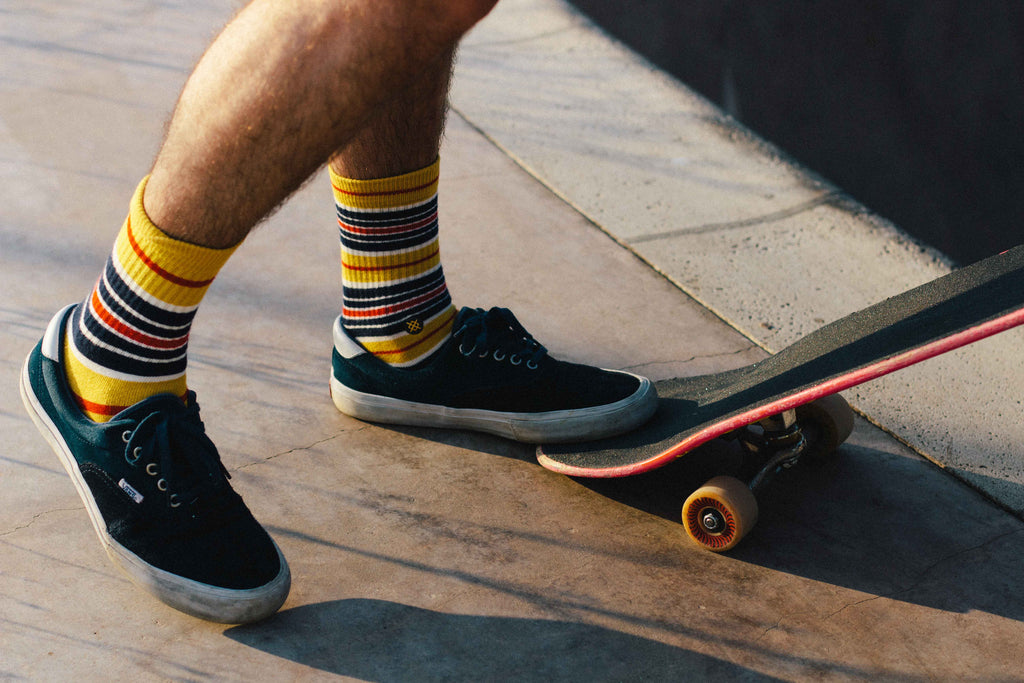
436	555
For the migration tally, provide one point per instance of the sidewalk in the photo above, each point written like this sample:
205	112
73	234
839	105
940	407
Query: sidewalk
424	555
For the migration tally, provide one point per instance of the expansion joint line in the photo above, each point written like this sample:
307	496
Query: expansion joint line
820	200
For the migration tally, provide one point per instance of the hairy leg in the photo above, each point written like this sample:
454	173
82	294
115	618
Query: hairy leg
284	86
395	302
404	133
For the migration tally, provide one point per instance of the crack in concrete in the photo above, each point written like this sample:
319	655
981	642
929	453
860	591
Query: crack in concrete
858	603
302	448
924	573
688	360
35	518
894	594
803	207
775	627
942	560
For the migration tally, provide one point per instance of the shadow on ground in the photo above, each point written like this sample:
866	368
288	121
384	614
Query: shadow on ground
874	521
377	640
873	518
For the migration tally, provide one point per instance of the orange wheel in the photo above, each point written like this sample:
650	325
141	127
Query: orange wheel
826	423
720	513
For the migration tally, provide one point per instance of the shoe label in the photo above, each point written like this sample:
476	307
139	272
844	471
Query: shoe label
127	488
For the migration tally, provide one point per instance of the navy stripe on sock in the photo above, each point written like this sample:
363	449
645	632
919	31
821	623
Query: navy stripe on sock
382	219
158	362
384	296
140	313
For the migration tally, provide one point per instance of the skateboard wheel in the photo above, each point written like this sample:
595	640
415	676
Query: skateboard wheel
720	513
826	423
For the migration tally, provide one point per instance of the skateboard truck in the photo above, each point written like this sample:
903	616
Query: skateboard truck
776	444
717	515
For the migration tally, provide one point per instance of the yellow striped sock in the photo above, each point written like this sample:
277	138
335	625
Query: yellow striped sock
128	340
395	301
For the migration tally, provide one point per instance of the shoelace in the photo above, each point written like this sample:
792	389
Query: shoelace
178	452
497	332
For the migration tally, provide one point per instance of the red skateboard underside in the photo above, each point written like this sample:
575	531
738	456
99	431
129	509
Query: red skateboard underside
945	314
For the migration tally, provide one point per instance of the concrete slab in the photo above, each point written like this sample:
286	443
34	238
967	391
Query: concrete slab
423	555
767	246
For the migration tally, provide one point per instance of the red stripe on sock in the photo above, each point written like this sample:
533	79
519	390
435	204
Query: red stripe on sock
110	411
152	265
98	408
386	193
113	323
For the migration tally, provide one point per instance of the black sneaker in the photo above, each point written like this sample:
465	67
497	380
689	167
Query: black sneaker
158	496
490	376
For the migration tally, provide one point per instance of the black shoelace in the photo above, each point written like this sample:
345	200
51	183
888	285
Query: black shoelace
177	451
497	333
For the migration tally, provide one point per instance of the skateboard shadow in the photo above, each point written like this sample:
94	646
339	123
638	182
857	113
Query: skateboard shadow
475	441
877	520
376	640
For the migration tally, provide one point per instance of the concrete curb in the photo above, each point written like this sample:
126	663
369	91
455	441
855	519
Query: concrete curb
763	243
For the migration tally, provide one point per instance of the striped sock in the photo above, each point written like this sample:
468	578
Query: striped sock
128	340
394	301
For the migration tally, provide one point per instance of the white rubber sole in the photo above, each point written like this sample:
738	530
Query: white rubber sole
191	597
583	424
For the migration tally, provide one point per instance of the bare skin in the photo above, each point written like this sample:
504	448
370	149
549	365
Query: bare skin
403	134
289	84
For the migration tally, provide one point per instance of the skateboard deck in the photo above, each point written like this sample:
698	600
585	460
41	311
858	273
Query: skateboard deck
949	312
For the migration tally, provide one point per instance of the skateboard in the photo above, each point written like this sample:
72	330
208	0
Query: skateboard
786	407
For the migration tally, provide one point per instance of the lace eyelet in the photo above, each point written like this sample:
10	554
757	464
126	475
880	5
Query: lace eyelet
501	357
126	435
174	500
161	484
515	359
484	354
532	365
151	469
466	353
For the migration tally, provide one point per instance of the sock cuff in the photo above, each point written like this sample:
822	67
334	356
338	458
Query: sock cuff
174	271
386	193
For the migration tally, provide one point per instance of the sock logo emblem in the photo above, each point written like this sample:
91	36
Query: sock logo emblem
414	326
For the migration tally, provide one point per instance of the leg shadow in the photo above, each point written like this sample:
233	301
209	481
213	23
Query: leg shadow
376	640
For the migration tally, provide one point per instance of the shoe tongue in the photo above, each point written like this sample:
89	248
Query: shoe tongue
464	314
153	404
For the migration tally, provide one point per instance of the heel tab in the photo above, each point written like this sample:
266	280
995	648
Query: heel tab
346	346
51	344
